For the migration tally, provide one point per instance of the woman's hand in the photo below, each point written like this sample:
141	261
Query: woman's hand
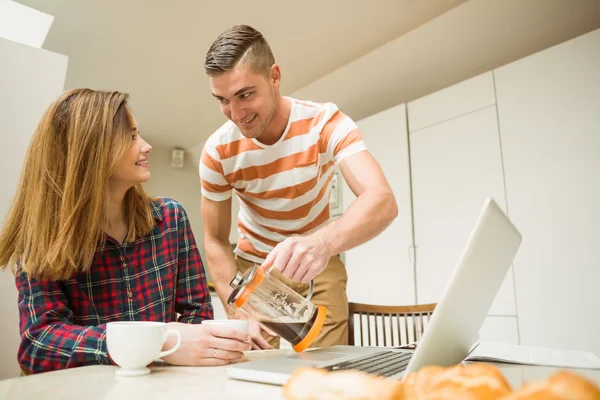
206	345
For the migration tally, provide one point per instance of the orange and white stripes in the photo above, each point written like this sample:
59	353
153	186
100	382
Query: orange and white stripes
283	188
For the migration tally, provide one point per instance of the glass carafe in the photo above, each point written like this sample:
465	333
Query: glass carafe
277	307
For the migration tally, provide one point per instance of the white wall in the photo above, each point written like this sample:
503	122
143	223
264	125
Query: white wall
23	24
181	184
30	79
454	44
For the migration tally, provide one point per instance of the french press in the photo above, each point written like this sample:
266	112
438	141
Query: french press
265	299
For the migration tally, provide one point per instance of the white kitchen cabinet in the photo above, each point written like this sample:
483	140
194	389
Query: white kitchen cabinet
549	116
381	271
500	329
456	165
456	100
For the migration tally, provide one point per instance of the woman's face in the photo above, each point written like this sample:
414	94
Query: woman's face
133	167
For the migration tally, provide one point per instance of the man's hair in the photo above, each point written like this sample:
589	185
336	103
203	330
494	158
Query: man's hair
239	44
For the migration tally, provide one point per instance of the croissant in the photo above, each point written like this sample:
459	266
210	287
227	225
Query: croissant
562	385
476	381
472	382
317	384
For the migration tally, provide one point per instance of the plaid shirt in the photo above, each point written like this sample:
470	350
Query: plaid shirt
63	323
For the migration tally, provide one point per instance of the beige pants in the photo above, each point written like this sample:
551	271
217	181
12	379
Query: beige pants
330	292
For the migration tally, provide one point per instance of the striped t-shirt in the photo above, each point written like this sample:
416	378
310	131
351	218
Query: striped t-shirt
283	188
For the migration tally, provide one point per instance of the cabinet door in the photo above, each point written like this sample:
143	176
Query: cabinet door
500	329
549	114
381	271
456	100
456	165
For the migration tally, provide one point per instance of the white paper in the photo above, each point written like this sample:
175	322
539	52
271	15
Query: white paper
532	355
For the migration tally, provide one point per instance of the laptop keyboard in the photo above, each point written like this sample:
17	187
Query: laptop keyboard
384	363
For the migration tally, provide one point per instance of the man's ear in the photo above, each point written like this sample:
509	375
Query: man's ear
275	75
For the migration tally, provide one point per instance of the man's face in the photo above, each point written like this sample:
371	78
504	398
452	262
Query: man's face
246	98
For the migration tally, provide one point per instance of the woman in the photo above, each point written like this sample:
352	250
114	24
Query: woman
89	246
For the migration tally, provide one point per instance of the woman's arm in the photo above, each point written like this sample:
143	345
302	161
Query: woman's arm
49	339
193	298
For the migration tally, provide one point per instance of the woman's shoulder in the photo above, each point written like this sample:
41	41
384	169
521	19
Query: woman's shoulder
166	207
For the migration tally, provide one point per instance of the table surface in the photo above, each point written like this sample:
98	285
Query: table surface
100	382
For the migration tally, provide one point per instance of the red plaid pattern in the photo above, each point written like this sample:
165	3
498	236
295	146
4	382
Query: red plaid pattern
62	323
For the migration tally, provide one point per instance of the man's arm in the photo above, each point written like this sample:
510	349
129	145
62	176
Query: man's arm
221	263
373	210
216	216
303	258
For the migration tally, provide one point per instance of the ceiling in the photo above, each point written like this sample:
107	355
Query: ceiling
473	38
155	49
386	51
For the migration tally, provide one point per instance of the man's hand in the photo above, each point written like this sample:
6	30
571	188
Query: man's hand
299	258
254	331
258	341
206	345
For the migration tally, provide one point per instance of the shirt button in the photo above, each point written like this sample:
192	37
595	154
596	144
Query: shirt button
129	294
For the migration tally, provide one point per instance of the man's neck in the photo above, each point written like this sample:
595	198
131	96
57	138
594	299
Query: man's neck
278	123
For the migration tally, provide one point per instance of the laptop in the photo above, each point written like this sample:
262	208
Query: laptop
453	328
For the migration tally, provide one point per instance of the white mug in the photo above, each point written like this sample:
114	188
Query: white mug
237	324
134	344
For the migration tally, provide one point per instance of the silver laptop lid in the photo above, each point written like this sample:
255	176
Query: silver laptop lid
461	310
457	318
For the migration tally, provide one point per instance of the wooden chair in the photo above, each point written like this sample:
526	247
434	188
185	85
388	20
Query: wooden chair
389	326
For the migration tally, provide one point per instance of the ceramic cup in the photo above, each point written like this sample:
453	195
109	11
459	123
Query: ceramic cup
237	324
133	345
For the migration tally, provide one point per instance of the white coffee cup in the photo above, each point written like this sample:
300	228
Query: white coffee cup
134	344
237	324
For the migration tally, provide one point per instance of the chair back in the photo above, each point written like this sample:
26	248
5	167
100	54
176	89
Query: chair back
388	326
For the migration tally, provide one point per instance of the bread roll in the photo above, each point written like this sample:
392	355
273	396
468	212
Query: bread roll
472	382
563	385
475	381
316	384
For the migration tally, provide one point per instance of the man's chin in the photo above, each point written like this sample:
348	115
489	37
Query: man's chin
250	134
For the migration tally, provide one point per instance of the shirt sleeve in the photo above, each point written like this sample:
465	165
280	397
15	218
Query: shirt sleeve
49	339
342	136
214	185
193	298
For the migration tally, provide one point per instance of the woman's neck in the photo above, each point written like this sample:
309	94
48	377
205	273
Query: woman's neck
116	224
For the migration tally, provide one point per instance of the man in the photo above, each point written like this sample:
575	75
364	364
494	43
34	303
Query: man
279	155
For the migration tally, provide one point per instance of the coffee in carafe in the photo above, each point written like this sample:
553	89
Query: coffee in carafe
274	305
290	330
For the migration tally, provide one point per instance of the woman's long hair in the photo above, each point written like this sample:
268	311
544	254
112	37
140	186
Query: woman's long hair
55	222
